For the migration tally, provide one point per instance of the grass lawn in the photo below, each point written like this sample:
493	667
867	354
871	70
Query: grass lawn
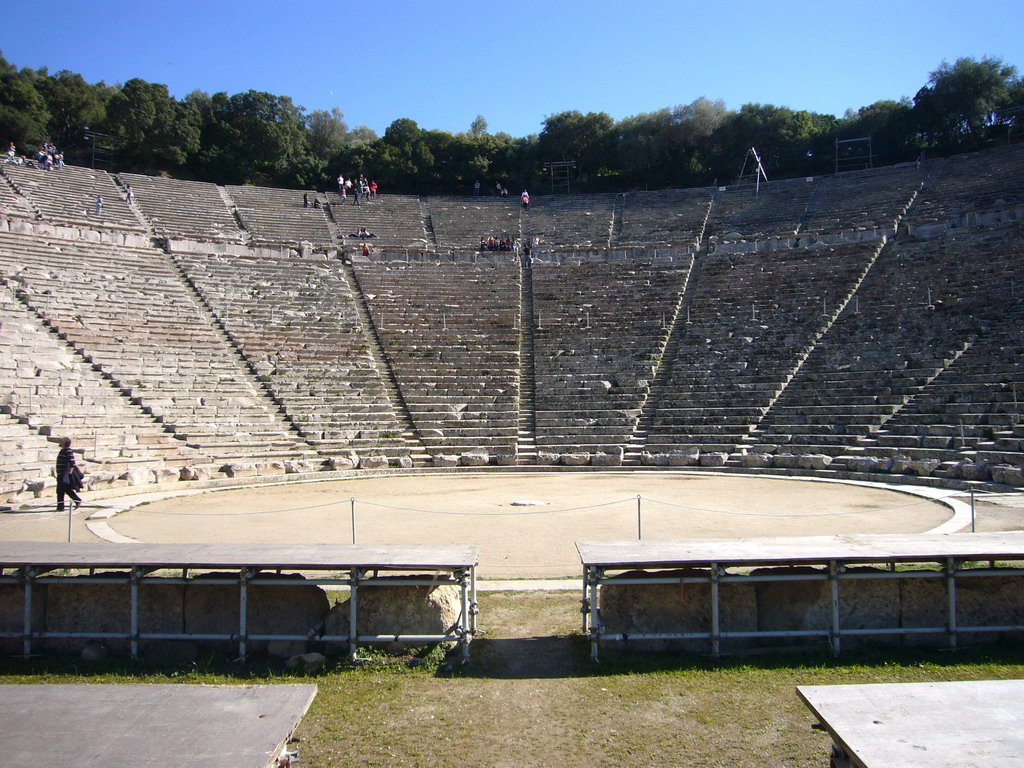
530	696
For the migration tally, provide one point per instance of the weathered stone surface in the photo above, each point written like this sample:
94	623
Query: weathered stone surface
924	467
989	600
373	462
785	460
654	459
814	461
1014	476
675	608
969	470
603	459
240	469
444	460
398	609
575	459
547	457
194	473
923	603
478	457
73	606
506	458
685	457
346	460
291	610
756	460
900	464
403	462
713	459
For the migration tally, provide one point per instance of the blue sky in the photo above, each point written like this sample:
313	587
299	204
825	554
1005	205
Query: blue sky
442	62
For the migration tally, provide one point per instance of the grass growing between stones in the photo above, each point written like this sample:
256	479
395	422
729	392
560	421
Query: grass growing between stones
530	696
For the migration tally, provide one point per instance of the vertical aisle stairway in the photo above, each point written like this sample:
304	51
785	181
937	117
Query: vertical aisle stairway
526	443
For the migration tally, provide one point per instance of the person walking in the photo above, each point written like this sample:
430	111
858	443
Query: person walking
69	476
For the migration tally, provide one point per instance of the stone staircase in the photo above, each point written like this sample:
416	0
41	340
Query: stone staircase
409	435
527	438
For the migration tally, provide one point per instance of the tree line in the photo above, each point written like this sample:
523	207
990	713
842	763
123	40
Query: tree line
259	138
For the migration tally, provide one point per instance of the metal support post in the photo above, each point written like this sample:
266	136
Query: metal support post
464	619
834	570
243	611
639	525
29	575
595	614
716	628
951	567
353	607
133	599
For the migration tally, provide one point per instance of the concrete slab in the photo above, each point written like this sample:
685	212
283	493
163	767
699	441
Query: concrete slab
146	726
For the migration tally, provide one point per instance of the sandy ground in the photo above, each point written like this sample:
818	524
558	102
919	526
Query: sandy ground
526	525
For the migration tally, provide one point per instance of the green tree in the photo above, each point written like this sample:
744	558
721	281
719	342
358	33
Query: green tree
588	139
327	133
251	137
957	109
158	132
73	105
23	113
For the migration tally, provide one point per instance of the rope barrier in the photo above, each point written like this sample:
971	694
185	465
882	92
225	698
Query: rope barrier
526	513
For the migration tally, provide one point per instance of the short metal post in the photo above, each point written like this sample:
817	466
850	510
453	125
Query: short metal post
972	511
639	524
352	506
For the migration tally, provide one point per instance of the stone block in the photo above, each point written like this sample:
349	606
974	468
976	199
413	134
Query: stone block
240	469
346	460
194	473
399	609
547	458
443	460
478	457
575	459
923	467
1014	476
687	457
756	460
403	462
814	461
713	459
785	460
654	459
604	459
373	462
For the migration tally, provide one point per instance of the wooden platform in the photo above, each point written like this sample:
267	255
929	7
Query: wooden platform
28	564
262	556
803	550
923	725
832	559
149	726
